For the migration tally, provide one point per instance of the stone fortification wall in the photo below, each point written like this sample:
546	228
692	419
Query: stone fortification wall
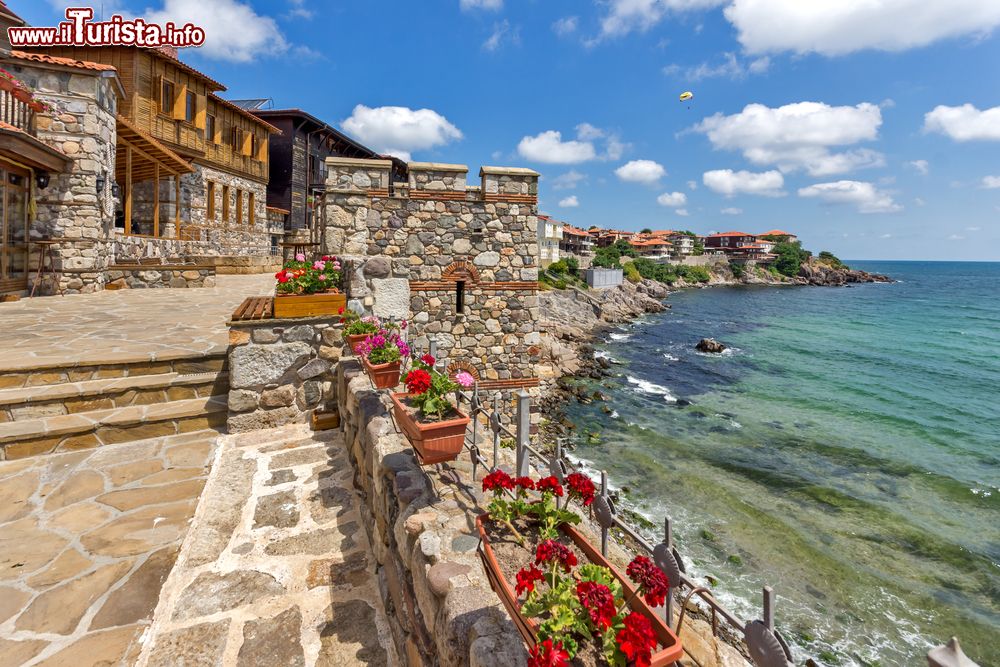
144	277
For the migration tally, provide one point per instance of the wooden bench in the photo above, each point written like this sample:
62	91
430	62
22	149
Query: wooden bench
254	308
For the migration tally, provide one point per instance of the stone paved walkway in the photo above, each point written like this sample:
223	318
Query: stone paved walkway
126	326
277	569
86	541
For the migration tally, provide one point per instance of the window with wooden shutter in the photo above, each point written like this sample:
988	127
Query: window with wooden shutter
201	115
190	106
239	207
247	144
166	89
180	102
251	214
225	204
262	149
210	128
210	195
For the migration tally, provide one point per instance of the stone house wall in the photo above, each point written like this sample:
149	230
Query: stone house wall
82	126
146	277
435	243
280	371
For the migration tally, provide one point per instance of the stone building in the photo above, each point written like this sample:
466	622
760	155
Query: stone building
459	261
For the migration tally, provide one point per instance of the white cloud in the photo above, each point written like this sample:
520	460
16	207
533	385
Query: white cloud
865	196
299	10
569	202
799	135
692	185
672	199
922	166
257	35
587	132
919	202
400	130
990	182
489	5
956	237
973	229
615	148
548	147
836	27
565	25
502	33
731	211
730	67
625	16
964	123
641	171
730	183
683	212
885	236
568	181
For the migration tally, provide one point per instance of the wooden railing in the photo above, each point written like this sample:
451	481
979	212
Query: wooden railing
17	113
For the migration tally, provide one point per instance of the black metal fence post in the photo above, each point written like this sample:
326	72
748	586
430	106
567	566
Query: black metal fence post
523	433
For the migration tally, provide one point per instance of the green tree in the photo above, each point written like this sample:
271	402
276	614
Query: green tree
646	230
790	257
631	273
828	257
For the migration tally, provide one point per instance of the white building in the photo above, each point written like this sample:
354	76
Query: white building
550	234
683	245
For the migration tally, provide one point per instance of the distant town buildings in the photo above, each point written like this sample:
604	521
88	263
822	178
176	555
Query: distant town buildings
550	235
576	241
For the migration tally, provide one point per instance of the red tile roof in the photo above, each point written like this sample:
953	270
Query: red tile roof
730	234
575	231
46	59
776	232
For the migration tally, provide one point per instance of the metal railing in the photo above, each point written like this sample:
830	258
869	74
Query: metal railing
767	648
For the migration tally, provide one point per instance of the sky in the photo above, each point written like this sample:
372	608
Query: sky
870	129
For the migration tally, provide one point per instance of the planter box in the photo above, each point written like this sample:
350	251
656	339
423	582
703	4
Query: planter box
384	376
325	421
352	341
308	305
435	442
671	650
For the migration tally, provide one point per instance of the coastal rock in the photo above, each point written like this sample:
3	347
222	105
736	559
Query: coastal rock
710	345
817	272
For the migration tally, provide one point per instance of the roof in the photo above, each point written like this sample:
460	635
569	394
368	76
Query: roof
31	150
575	231
244	112
159	53
7	11
253	104
46	59
132	134
711	236
776	232
320	125
649	242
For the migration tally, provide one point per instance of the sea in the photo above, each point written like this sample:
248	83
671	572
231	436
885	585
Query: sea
844	450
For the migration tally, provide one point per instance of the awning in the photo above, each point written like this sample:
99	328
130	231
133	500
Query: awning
148	156
28	150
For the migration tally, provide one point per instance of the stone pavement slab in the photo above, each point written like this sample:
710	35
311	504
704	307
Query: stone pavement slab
277	569
86	541
125	326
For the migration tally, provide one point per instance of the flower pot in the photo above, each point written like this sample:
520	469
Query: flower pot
434	442
21	95
353	340
384	376
671	648
308	305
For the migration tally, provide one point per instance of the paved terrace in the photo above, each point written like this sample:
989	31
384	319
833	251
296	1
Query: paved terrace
125	326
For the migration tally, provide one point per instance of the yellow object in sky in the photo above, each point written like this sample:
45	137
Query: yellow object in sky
685	96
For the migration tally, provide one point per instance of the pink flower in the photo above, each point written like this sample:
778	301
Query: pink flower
300	257
465	379
319	266
322	277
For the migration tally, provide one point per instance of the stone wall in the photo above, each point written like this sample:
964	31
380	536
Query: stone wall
280	371
439	604
459	261
150	277
81	125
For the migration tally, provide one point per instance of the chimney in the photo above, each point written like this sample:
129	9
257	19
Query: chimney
169	51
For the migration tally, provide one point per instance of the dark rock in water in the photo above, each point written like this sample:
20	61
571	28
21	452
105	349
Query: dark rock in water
603	362
682	402
606	410
710	345
815	592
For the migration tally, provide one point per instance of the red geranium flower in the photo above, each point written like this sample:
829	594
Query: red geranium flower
497	480
282	276
340	311
550	485
526	579
418	381
551	551
547	654
525	483
581	487
429	360
599	602
653	583
637	640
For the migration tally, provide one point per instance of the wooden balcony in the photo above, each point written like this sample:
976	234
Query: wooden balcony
16	114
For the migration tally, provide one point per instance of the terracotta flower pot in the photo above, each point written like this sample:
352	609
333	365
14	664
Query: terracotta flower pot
353	340
384	376
308	305
672	650
434	442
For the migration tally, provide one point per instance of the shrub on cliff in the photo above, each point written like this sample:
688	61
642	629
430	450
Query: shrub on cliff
790	258
694	274
828	258
631	273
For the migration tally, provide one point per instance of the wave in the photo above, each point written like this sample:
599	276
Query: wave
670	357
646	387
620	336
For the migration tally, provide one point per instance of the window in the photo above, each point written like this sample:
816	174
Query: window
251	200
239	207
210	129
236	139
460	297
167	97
253	144
225	204
190	106
210	195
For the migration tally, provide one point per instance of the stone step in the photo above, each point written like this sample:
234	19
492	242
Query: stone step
75	397
85	430
40	372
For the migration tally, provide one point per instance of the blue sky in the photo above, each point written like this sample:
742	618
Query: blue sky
870	129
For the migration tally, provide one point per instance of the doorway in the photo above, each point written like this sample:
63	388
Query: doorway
14	228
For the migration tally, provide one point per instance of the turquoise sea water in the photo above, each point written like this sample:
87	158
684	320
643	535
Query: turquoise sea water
846	451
